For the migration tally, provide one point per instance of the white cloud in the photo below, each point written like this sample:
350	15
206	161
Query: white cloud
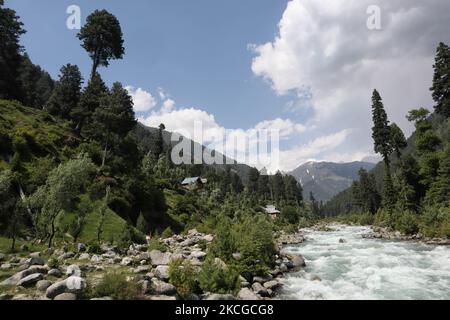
168	106
324	48
183	120
143	100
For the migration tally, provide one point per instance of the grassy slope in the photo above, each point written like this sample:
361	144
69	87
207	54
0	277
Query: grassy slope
47	136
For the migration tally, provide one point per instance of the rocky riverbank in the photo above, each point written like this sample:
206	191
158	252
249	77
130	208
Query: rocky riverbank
65	275
388	234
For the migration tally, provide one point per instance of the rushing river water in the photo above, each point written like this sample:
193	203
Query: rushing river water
367	268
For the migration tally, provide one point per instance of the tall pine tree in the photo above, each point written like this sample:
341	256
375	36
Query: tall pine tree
381	134
441	80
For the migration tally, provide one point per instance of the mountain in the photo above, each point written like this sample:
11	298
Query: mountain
145	135
327	179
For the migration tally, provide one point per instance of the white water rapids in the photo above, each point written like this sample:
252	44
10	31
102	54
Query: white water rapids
367	268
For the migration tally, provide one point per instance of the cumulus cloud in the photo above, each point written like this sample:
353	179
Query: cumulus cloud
143	100
325	53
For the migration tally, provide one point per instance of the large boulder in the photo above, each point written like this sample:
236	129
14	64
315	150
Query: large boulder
127	261
13	280
297	261
200	255
272	285
72	284
55	273
73	270
66	296
247	294
159	258
42	285
36	261
259	289
162	272
30	280
163	288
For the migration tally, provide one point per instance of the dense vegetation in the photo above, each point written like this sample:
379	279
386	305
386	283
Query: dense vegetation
410	190
76	166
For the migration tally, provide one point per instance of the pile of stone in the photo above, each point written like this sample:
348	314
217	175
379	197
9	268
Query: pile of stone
149	267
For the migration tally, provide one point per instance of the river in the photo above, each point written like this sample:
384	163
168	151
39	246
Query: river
367	268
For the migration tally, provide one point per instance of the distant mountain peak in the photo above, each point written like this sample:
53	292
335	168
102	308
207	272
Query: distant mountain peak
326	179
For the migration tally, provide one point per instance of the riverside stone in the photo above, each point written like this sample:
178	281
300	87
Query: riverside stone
30	280
42	285
247	294
162	272
13	280
163	288
159	258
66	296
72	284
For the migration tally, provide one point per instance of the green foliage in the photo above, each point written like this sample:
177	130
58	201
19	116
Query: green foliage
10	49
53	263
167	233
67	92
116	286
436	222
365	192
406	222
156	244
290	214
101	37
184	277
441	80
215	277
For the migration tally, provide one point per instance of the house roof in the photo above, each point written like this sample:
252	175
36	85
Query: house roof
190	180
270	209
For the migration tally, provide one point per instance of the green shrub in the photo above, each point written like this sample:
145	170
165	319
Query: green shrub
290	214
116	286
217	278
167	233
156	244
436	222
53	263
184	277
407	223
94	248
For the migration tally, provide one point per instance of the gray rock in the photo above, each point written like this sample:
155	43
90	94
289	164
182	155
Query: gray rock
200	255
237	256
36	261
6	266
188	242
30	280
159	258
70	285
262	279
84	256
163	288
193	232
142	269
102	299
55	273
342	241
272	285
42	285
22	297
222	297
127	261
208	238
6	296
73	270
81	247
35	255
247	294
162	298
13	280
283	268
66	255
162	272
96	259
259	289
297	261
66	296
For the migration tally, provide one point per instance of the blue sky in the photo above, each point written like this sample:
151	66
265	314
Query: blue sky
248	64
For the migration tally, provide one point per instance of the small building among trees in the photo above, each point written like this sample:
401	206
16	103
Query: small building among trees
193	183
272	211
